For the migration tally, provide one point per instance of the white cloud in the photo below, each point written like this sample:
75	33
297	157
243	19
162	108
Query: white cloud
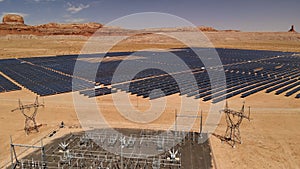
1	0
74	9
69	19
75	20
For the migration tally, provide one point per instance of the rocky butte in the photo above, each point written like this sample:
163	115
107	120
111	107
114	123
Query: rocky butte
13	19
15	24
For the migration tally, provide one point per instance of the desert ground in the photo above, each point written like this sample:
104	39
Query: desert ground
270	139
12	46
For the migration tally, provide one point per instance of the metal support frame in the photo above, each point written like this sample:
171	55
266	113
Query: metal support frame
30	118
190	116
71	154
234	120
15	162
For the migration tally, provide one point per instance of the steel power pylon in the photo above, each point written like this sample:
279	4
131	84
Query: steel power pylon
30	118
234	120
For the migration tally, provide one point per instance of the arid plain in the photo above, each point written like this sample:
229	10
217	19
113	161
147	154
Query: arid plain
270	139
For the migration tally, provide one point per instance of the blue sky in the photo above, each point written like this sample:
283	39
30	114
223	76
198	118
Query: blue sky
254	15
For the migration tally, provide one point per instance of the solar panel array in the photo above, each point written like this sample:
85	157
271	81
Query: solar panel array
7	86
38	79
246	72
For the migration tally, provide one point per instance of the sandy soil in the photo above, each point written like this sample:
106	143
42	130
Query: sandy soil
12	46
270	140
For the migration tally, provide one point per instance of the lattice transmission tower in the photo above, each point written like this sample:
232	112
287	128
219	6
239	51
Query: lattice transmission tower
234	120
30	119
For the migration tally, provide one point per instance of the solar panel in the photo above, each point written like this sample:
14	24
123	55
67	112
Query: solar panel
6	85
247	72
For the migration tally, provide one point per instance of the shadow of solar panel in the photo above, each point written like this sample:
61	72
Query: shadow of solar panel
280	86
293	91
97	92
287	88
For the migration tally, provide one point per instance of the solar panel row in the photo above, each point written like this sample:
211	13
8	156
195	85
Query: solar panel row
245	78
7	86
246	71
40	80
288	88
295	90
97	92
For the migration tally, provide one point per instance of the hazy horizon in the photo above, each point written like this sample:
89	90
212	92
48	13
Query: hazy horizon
273	16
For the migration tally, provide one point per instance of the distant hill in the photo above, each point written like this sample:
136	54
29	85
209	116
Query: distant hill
15	24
